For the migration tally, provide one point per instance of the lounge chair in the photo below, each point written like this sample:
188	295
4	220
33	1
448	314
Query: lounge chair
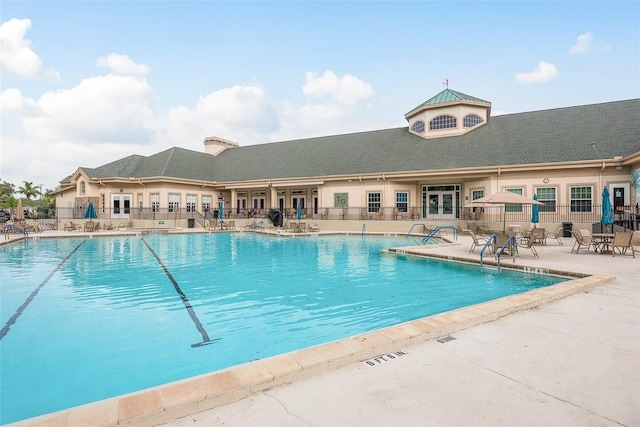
125	225
557	234
302	227
314	227
583	240
70	226
107	225
293	227
622	242
477	241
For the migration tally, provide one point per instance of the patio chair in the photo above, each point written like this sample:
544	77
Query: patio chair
302	227
477	241
69	226
501	239
635	241
557	234
583	239
529	244
107	225
89	226
314	227
538	236
622	242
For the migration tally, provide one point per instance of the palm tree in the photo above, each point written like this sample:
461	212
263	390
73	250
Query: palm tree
29	190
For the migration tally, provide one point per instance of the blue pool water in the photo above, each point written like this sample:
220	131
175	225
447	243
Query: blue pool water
89	319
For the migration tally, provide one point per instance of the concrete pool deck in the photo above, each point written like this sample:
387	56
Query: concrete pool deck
554	361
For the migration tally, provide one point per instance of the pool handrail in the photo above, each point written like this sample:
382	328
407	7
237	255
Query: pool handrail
438	228
15	228
424	228
499	252
492	239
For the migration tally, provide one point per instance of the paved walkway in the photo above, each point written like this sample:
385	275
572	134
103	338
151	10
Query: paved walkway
572	362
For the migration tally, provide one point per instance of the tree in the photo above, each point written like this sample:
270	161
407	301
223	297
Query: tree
29	190
7	190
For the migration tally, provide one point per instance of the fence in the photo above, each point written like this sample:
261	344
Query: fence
627	216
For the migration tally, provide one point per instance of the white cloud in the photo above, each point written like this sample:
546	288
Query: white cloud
104	109
18	57
241	113
122	64
544	72
106	118
348	89
12	102
586	42
583	44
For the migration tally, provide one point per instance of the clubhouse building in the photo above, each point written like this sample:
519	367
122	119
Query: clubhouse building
451	153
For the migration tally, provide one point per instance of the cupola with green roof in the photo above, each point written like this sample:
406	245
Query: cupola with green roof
449	113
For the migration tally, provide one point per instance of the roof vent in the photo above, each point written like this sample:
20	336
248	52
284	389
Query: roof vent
215	145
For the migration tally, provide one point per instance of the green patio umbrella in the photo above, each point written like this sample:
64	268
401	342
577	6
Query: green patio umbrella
90	213
607	216
535	217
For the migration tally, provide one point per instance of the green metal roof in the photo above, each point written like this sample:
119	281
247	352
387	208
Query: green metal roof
445	96
599	131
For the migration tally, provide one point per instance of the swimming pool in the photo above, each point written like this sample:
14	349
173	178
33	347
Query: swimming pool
118	314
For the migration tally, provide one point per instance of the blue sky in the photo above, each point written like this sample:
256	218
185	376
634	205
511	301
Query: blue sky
85	83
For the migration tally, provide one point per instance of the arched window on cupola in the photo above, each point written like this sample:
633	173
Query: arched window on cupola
443	122
471	120
418	127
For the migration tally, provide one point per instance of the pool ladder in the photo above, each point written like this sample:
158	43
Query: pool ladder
437	229
13	227
494	239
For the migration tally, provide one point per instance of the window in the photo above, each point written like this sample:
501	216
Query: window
402	201
476	194
174	202
581	199
83	187
140	202
418	127
443	122
471	120
373	202
191	202
514	207
547	195
206	204
155	202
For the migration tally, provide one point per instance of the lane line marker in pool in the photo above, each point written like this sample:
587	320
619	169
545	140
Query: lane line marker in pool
33	294
205	336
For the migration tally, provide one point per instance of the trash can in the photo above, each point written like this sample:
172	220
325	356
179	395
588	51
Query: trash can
566	229
191	222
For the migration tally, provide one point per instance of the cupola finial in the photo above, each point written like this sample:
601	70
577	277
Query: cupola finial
446	83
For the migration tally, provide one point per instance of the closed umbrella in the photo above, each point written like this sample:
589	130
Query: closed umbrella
607	217
19	216
299	211
90	213
535	217
221	210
